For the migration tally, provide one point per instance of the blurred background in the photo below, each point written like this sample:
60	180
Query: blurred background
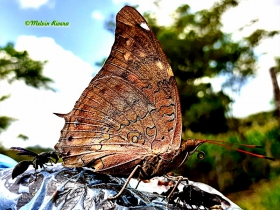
225	56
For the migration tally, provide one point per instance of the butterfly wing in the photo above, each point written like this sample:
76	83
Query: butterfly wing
131	107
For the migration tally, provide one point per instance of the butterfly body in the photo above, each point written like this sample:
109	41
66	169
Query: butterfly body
122	164
130	113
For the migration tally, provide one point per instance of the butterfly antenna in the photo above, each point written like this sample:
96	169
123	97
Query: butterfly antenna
229	145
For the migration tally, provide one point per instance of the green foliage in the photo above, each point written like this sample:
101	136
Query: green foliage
199	115
2	98
23	137
16	65
277	59
263	196
273	137
5	122
258	35
232	171
277	67
260	119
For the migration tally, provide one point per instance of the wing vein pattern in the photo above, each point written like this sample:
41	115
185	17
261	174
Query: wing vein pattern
131	104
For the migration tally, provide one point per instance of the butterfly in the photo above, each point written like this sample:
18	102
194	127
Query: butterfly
128	121
130	113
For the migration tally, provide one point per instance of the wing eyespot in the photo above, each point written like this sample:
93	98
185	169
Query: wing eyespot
70	138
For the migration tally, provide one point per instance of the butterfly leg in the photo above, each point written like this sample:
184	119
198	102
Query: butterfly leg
138	167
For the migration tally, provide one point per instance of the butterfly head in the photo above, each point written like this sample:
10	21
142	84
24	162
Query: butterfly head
192	145
187	148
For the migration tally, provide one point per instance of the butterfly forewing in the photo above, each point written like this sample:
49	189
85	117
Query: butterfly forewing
130	109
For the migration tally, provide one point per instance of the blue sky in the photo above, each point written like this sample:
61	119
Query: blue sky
84	37
72	52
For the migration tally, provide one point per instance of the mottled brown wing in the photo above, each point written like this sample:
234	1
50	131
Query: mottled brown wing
130	109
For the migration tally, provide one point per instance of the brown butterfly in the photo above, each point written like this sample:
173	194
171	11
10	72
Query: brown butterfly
129	117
